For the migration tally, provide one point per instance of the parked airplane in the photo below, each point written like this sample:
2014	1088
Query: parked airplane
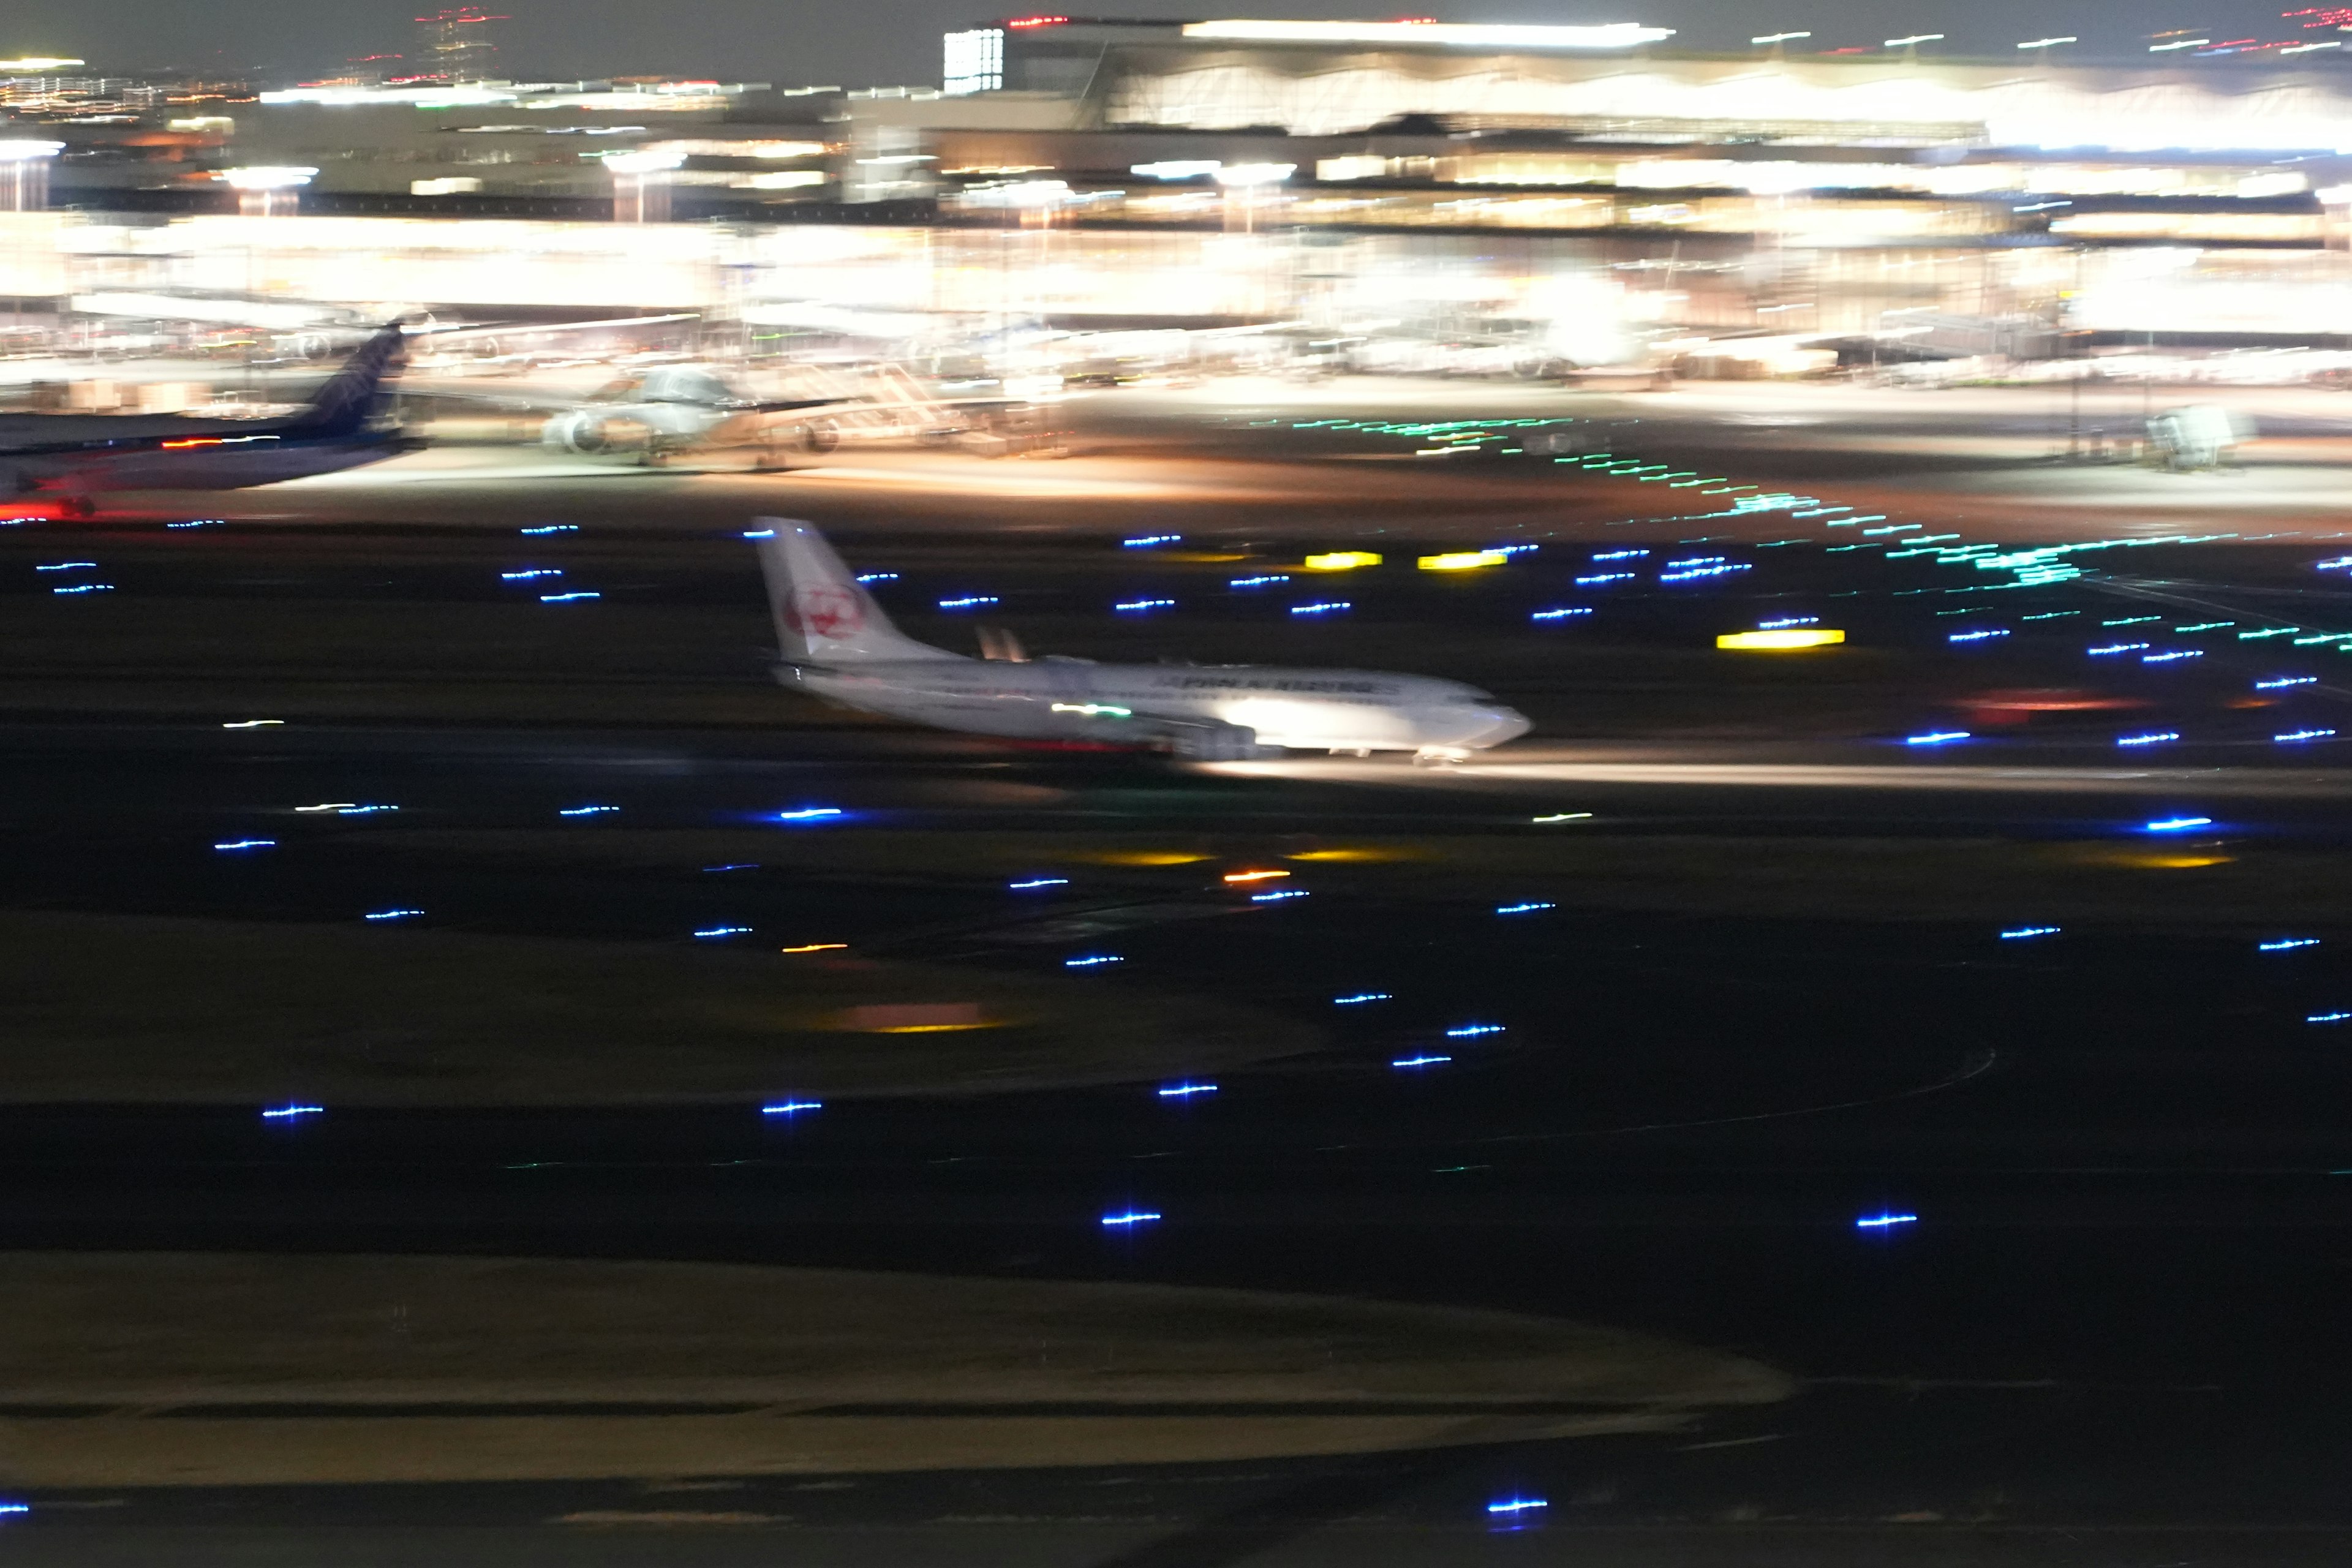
838	645
70	457
674	410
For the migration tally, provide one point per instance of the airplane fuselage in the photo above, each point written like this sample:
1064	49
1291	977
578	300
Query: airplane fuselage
203	460
1070	700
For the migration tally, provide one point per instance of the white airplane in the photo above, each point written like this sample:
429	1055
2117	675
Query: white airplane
838	645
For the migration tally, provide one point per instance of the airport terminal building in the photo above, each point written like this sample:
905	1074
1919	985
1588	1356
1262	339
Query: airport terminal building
1326	172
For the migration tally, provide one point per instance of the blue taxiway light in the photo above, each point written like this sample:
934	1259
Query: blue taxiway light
735	865
970	601
1277	895
2294	736
86	588
566	598
2285	681
2021	933
710	933
25	1507
392	914
1257	581
1936	738
1594	582
1467	1031
288	1112
1418	1061
2178	824
1325	609
792	1107
1522	908
1360	997
2169	655
66	567
586	810
199	522
2285	942
2328	1018
533	572
2153	738
1784	622
1560	615
1884	1221
1186	1090
246	844
1141	606
748	534
1517	1505
1038	882
1090	961
807	813
2114	648
363	810
551	528
1129	1219
877	577
1145	542
1620	556
1976	636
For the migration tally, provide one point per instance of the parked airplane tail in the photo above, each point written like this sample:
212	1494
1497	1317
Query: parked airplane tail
343	406
823	616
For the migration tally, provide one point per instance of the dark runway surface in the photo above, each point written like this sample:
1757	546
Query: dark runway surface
2105	1324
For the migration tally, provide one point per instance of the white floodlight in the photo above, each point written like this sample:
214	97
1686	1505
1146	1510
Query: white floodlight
26	151
1779	37
1914	40
643	160
267	177
1177	168
2049	43
1459	34
1254	173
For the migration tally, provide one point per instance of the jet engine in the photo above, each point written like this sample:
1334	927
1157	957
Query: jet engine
589	432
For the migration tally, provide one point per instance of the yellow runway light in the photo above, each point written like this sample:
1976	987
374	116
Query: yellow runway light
1253	876
1341	561
816	947
1144	857
1462	560
1780	641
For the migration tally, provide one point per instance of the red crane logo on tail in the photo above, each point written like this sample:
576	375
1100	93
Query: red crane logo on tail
824	612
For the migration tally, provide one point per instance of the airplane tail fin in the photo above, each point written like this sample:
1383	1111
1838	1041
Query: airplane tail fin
823	616
343	406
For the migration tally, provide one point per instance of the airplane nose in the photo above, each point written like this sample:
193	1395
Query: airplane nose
1502	724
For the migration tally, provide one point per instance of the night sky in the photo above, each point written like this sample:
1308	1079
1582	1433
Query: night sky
889	41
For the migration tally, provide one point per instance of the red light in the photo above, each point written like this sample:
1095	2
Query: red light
1036	21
